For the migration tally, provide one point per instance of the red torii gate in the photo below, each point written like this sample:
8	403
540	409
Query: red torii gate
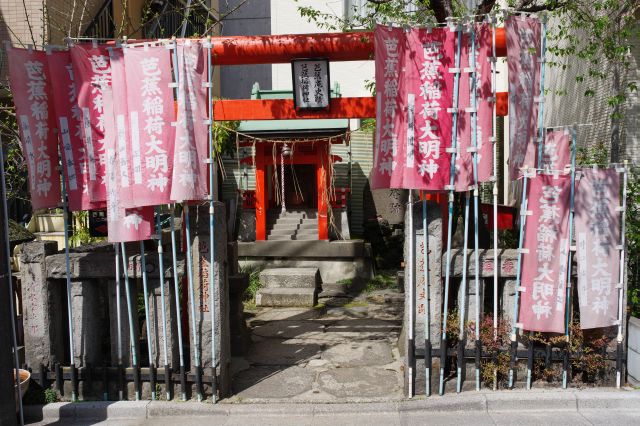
277	49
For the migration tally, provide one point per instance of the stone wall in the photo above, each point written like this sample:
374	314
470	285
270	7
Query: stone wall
633	353
93	298
436	263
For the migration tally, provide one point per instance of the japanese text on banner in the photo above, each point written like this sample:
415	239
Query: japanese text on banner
92	73
523	53
544	264
597	238
30	84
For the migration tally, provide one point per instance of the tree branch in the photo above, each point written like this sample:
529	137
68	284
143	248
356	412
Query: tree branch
441	9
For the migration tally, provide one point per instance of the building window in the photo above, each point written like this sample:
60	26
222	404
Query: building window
363	8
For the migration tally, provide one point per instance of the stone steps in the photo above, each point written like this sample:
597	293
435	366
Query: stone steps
288	286
296	225
286	297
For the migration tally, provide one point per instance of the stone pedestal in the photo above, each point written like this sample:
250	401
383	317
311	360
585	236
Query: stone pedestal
43	304
124	324
415	257
203	283
90	322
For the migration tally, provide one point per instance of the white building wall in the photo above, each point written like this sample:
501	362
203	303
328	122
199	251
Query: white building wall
285	19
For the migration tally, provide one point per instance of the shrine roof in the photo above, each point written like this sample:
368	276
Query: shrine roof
315	126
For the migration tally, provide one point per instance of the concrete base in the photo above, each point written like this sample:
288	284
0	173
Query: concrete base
633	354
287	297
336	260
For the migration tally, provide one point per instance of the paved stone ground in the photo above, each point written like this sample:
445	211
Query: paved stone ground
343	350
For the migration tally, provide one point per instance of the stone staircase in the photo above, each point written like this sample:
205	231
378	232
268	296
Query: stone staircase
292	225
282	287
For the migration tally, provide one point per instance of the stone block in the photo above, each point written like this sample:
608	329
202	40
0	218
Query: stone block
508	300
43	305
290	278
286	297
507	259
390	204
470	299
120	318
633	353
247	225
415	288
203	280
90	321
36	251
170	326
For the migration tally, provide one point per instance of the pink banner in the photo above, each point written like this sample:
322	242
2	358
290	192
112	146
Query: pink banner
122	224
69	118
424	158
523	54
597	238
150	112
544	262
484	106
30	80
556	151
390	48
92	74
190	175
120	119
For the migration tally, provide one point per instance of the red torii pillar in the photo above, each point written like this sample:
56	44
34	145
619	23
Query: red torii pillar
276	49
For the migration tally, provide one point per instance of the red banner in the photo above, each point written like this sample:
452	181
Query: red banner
69	118
425	161
546	248
523	54
150	112
92	73
556	151
122	224
190	175
597	238
484	110
30	80
390	48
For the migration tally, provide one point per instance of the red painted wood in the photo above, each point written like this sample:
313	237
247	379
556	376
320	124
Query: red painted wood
502	104
322	179
261	196
282	48
283	109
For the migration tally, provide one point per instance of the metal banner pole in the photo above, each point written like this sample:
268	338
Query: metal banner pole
121	380
568	303
412	285
514	328
192	300
145	289
462	309
12	309
494	141
72	366
183	371
476	208
621	276
132	318
451	188
176	290
212	246
427	307
163	308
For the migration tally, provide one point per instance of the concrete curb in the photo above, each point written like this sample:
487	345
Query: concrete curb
484	402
